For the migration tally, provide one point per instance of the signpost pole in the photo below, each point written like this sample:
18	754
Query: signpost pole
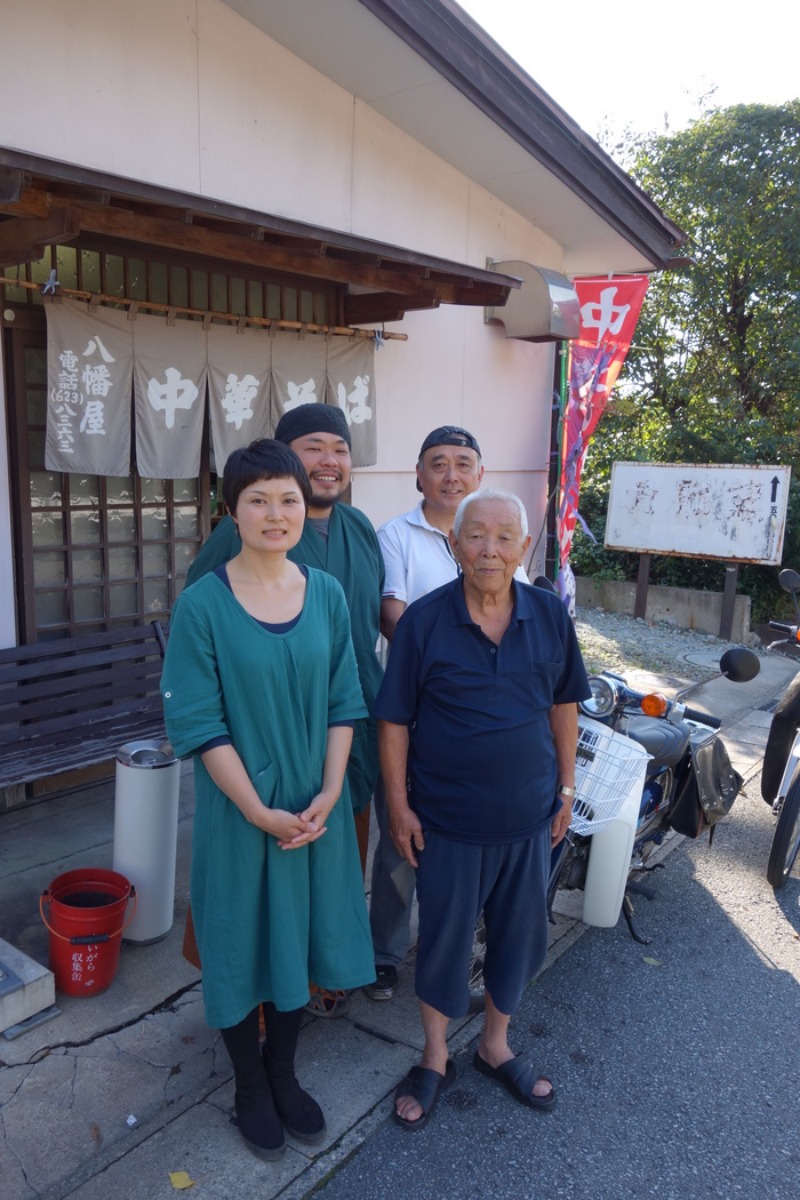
642	584
728	602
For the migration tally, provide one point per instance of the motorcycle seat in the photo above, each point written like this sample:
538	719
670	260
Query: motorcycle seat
664	742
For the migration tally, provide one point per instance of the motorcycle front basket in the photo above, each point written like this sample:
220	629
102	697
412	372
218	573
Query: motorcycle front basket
608	766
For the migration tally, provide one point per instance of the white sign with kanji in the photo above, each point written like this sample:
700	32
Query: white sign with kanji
736	513
89	365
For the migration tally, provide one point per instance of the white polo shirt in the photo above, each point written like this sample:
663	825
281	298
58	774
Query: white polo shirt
417	557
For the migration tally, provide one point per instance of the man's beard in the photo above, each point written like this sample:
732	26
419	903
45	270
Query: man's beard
325	501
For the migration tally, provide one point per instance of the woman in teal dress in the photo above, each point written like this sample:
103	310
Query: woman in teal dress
260	685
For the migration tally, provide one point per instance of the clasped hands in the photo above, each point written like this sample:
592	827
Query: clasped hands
293	830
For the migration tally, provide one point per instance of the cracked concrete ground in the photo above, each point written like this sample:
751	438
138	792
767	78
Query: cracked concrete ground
141	1050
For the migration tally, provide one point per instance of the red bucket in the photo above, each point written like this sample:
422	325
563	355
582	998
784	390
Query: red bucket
86	911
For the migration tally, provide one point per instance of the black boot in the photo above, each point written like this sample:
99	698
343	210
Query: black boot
259	1123
299	1112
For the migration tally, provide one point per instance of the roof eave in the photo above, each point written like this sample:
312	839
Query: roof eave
464	54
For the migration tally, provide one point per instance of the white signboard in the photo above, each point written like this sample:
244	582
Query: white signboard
733	513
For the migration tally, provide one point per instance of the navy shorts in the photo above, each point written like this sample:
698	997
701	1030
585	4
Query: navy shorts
455	882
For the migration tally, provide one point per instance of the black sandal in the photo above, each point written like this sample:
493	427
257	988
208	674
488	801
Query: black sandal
424	1085
518	1077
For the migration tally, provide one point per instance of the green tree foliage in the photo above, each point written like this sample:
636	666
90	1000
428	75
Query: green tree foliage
714	372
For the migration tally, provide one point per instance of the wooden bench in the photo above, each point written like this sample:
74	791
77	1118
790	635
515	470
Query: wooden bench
72	703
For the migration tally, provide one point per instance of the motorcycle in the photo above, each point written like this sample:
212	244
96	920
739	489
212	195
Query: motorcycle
645	765
780	773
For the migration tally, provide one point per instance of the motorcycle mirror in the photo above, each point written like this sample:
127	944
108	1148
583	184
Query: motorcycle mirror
739	664
789	580
541	581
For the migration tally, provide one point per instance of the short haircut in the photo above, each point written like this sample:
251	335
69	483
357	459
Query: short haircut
490	494
263	459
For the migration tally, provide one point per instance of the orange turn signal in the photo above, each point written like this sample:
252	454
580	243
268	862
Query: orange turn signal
654	705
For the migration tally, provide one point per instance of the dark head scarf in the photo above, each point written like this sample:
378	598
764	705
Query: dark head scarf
312	418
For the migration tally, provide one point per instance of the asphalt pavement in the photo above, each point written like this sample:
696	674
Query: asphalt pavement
676	1063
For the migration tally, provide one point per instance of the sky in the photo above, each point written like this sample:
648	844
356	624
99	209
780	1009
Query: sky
637	64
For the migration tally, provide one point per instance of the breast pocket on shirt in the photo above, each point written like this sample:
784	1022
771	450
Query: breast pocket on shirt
537	682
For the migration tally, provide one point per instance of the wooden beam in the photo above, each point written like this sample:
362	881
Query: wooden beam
347	249
479	295
384	306
193	239
10	184
22	238
31	202
171	310
269	250
25	252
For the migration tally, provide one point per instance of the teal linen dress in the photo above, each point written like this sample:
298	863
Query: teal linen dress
267	920
352	555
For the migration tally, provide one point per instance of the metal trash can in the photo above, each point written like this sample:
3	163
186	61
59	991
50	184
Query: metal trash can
146	833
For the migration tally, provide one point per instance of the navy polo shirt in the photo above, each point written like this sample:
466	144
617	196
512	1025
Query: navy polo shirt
482	763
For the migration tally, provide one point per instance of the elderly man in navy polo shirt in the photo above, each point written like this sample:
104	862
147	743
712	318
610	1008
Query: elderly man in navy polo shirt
478	732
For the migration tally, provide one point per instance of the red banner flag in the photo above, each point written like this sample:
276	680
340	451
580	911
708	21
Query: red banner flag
609	311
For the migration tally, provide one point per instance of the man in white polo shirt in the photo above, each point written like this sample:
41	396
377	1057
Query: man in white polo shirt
418	558
415	546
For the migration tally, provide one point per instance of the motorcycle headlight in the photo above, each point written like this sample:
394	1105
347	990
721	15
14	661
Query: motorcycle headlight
602	700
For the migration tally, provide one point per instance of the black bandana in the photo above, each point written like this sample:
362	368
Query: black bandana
312	418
